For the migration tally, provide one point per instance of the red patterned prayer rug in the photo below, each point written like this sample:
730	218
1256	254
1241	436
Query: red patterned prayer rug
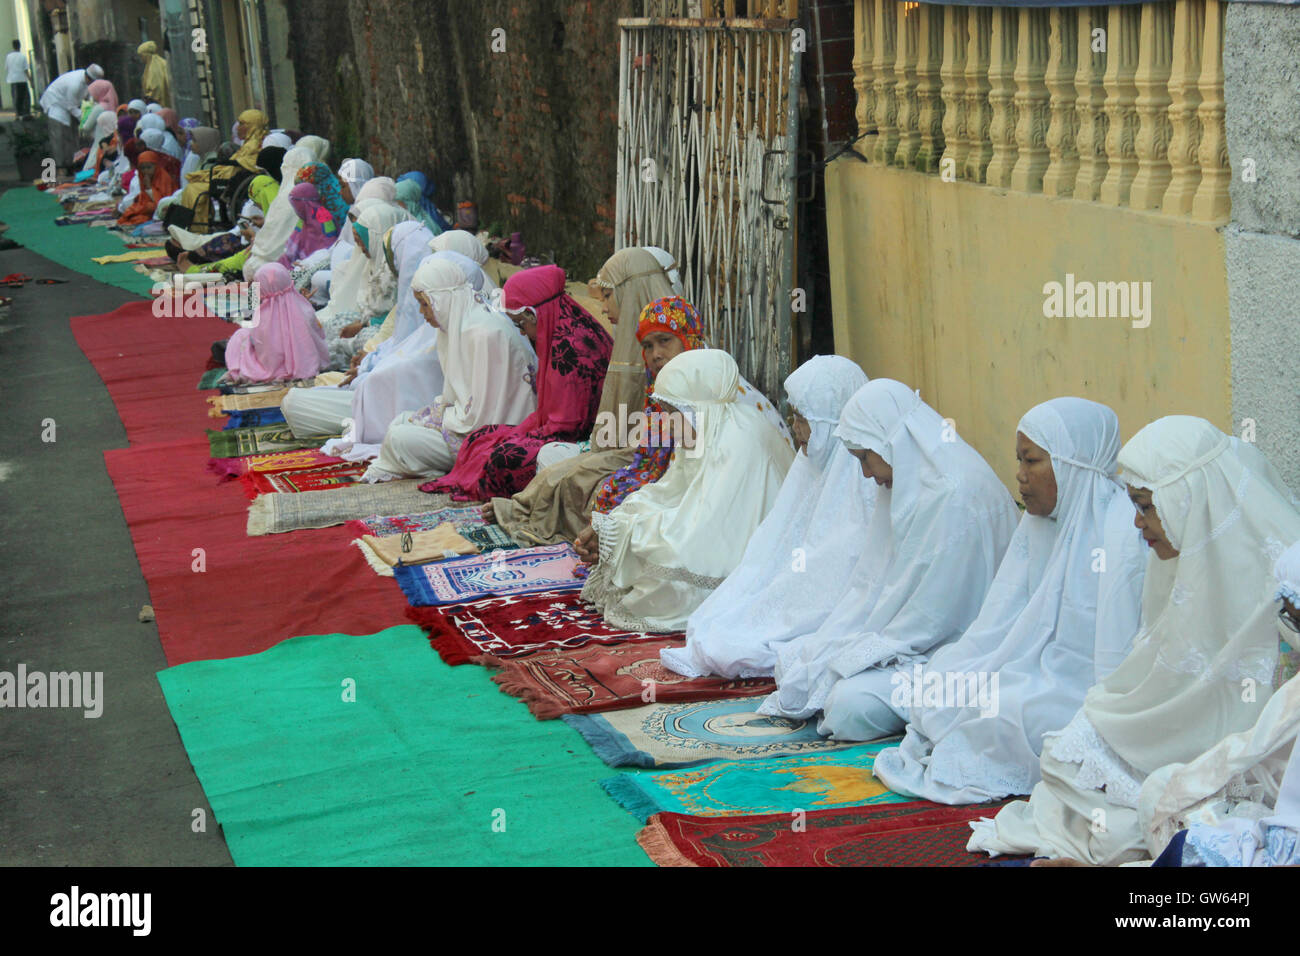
506	627
323	478
600	677
919	833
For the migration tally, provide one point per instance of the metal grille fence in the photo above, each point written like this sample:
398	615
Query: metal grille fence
708	128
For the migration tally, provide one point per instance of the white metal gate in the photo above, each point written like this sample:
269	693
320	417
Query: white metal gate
707	136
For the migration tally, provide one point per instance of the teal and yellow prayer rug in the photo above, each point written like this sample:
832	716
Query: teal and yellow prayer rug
842	778
683	735
368	751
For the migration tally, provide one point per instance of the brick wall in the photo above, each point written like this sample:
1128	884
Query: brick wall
530	133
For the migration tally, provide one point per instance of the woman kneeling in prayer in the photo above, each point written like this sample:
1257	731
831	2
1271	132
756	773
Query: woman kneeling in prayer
940	527
155	183
672	542
488	370
1060	615
1238	804
798	562
572	356
285	341
667	328
354	320
556	505
1215	516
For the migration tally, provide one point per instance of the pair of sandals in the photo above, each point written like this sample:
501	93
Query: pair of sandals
16	280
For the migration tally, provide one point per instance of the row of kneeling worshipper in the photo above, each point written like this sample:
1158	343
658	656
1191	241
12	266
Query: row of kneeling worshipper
1115	652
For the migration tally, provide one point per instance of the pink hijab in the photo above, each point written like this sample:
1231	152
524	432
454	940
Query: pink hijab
286	342
105	94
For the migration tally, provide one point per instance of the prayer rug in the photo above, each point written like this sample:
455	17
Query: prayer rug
259	440
468	522
135	255
505	627
490	537
500	574
325	478
366	751
780	785
278	513
684	735
916	833
599	677
211	377
384	525
264	387
280	461
218	592
254	417
271	398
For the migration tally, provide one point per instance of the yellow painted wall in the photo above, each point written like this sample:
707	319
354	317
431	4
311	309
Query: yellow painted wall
940	285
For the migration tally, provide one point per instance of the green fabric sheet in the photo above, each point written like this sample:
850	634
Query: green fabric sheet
416	771
30	214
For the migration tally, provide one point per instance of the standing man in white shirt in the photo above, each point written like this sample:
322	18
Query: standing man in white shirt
61	102
17	73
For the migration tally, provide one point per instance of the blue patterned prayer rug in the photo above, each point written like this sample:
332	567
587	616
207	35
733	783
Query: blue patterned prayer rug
499	574
683	735
254	416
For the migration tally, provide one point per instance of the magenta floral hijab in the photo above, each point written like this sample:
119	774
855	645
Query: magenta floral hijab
316	227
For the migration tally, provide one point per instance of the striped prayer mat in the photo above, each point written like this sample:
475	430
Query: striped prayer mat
684	735
278	513
916	833
841	778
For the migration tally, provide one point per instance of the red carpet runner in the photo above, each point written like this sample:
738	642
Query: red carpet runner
251	593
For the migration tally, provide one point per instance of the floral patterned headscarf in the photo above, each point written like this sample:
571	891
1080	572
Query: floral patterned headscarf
677	317
328	190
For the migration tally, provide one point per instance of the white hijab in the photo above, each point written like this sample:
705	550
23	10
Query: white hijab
347	266
378	293
1036	630
798	562
487	365
1208	615
665	259
409	244
318	146
281	219
356	173
935	540
407	376
672	542
1239	801
467	245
